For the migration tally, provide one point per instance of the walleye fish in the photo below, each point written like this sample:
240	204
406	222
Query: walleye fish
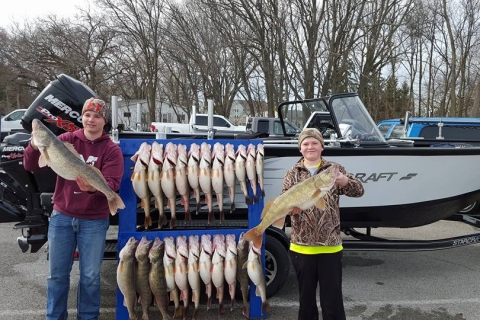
255	273
141	275
154	183
251	171
181	180
140	179
205	178
217	175
67	163
240	171
303	195
181	278
259	167
205	266
168	180
158	283
242	273
193	270
231	266
193	172
126	276
229	173
169	265
218	277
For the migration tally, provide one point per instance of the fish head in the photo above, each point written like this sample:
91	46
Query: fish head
194	246
241	154
182	157
325	180
260	150
170	251
206	243
41	135
253	253
142	154
182	248
143	248
205	152
129	249
219	244
157	153
230	243
157	250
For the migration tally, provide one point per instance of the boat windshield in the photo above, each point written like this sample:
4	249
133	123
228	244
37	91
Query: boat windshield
343	115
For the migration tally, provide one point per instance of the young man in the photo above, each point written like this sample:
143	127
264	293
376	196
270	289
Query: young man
315	242
80	215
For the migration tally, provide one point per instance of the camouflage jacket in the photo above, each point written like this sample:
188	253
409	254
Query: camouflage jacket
317	227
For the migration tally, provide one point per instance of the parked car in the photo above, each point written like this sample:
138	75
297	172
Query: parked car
272	126
11	122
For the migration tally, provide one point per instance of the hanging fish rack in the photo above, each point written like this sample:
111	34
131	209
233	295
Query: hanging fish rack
129	224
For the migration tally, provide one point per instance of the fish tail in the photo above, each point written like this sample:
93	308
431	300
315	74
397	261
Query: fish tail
246	310
265	307
263	193
248	200
173	222
211	217
255	198
148	222
255	236
188	216
115	204
162	220
222	216
232	207
198	207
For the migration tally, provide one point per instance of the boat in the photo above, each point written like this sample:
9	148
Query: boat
405	186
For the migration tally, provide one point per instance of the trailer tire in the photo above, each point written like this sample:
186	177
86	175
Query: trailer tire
277	265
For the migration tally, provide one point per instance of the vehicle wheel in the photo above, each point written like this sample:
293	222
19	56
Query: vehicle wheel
470	209
277	265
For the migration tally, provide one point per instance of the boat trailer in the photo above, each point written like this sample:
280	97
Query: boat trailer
367	242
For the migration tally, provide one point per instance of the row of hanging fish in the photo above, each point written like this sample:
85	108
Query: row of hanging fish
168	270
164	173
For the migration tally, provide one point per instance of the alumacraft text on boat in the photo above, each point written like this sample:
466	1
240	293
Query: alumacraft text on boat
387	176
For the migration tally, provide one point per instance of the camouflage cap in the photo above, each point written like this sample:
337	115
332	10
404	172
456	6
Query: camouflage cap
310	133
97	106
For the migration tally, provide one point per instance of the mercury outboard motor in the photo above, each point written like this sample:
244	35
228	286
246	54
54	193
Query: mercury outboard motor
59	105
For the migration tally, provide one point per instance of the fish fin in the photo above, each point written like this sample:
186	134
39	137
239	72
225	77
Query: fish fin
267	207
43	160
320	204
72	149
245	265
279	223
147	222
115	204
254	236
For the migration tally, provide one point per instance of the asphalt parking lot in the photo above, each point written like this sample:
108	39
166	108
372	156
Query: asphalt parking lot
377	285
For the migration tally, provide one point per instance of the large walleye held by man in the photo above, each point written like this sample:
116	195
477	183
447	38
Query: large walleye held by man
303	195
67	163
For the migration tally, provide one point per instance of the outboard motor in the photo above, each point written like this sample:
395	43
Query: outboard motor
59	107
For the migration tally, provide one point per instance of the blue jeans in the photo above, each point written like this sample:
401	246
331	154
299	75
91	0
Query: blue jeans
64	234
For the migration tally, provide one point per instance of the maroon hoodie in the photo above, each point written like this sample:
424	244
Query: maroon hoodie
104	154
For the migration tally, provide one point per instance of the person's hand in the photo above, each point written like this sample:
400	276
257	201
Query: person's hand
84	185
341	179
295	210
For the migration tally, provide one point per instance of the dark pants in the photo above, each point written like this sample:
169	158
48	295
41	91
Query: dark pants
325	270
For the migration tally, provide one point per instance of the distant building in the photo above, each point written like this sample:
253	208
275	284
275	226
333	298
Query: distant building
128	111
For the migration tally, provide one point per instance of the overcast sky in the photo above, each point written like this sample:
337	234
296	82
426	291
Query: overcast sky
19	10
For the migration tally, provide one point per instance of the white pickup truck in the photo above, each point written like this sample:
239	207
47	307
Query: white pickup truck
220	123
